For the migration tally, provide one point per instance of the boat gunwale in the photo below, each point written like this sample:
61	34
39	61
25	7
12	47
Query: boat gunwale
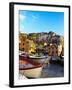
35	64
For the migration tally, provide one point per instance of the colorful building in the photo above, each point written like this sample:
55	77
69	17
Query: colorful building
26	44
54	50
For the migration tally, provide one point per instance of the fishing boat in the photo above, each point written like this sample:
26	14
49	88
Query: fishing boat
29	68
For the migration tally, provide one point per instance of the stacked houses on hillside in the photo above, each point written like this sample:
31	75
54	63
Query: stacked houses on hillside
50	43
26	44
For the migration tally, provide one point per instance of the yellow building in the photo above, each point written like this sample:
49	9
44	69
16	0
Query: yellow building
26	44
32	46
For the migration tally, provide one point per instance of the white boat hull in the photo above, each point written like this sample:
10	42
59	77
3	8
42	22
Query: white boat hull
33	73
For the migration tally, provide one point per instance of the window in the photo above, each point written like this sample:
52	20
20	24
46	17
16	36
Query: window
49	48
27	42
48	52
23	43
23	49
52	47
56	52
52	52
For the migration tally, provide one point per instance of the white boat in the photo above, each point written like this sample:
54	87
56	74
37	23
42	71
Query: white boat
39	59
29	68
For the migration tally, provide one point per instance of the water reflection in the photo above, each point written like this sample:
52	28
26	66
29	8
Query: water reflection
52	70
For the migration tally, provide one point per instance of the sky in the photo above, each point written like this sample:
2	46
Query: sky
41	21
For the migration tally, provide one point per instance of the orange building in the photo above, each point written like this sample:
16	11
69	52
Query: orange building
54	50
23	45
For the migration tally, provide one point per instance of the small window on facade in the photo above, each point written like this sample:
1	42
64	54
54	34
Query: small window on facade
56	52
52	52
22	48
49	48
23	43
27	42
52	47
48	51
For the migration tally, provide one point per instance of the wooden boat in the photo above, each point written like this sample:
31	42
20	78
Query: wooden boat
29	68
